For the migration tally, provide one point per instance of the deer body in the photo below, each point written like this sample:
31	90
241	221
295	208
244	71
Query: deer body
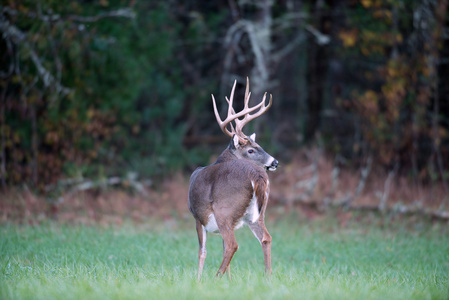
231	192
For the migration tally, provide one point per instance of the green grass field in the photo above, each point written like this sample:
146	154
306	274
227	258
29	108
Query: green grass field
311	260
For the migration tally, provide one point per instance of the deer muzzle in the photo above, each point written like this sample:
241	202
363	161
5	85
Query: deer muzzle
272	164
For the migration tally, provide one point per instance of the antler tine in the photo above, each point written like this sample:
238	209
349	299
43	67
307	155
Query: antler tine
261	108
231	99
247	93
232	116
244	113
239	124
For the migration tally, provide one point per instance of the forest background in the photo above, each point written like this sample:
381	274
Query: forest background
98	94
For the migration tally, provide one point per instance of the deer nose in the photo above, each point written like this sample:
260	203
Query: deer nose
274	163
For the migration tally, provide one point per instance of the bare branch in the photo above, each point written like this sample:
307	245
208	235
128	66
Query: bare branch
279	55
48	79
363	176
335	181
256	46
384	198
12	34
290	20
231	41
348	199
81	184
321	38
309	184
119	13
19	38
53	47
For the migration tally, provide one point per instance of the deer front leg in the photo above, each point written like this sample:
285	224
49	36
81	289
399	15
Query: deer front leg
229	249
202	237
264	237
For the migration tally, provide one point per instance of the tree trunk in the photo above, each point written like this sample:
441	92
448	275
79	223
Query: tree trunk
260	73
34	144
2	138
318	57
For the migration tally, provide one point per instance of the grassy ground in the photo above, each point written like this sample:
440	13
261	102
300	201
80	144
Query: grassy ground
311	260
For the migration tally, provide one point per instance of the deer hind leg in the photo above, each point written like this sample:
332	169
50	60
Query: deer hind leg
229	249
228	269
202	237
264	237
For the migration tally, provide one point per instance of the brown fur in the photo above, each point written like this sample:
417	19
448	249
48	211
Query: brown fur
225	189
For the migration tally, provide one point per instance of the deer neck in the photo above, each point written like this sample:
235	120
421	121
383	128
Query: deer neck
225	156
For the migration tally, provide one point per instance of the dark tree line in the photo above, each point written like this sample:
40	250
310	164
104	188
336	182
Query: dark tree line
102	88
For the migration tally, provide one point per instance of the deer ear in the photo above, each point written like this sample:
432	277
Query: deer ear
235	141
253	137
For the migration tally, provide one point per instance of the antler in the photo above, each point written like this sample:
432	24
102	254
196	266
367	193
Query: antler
245	113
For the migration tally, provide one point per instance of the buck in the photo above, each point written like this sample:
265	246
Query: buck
234	190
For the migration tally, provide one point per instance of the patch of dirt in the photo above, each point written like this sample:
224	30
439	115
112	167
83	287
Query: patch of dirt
112	206
306	185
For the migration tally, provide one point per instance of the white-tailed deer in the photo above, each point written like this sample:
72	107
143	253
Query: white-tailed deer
234	190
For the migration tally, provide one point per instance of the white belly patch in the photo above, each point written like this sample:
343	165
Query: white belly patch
252	212
211	225
251	215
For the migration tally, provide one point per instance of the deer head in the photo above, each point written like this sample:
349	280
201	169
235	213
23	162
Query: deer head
242	146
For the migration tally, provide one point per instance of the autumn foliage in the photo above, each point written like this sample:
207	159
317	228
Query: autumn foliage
93	89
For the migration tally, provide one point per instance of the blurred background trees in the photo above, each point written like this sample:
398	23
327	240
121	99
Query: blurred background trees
102	88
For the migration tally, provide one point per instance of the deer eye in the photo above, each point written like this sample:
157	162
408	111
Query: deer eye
251	151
